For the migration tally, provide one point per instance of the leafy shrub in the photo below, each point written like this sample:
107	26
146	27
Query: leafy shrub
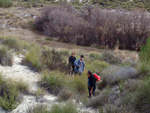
32	58
8	94
40	59
53	60
96	66
109	57
142	99
99	100
132	85
54	82
6	3
67	108
6	58
64	53
65	95
95	56
38	109
80	84
145	58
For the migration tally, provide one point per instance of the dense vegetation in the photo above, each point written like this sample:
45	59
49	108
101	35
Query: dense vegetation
6	3
92	25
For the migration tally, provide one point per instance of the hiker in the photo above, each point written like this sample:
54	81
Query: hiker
72	59
91	84
79	65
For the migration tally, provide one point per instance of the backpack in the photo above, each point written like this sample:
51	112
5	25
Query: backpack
96	77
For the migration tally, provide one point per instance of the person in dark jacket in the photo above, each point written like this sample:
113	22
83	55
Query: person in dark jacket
71	60
91	84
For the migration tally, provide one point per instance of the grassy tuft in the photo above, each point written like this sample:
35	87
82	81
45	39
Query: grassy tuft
14	43
111	58
95	56
32	58
6	3
54	82
6	58
66	108
142	98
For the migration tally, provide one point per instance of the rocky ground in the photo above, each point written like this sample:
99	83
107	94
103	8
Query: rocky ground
20	72
15	21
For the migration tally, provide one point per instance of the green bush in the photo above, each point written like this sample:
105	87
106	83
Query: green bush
6	3
144	57
14	43
96	66
6	58
8	94
40	59
32	58
9	91
109	57
80	84
38	109
142	98
64	53
95	56
99	100
67	108
54	81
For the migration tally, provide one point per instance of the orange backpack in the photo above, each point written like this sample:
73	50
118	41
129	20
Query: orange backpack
97	78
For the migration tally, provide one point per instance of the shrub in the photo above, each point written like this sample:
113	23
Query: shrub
13	43
32	58
142	99
109	57
8	94
145	58
67	108
95	56
60	21
6	58
40	59
80	84
6	3
64	53
54	82
99	100
132	85
38	109
65	95
96	66
93	25
53	60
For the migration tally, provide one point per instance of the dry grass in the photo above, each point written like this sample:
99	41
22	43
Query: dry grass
6	58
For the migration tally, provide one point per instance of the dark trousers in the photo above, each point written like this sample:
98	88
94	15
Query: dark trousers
72	69
93	92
